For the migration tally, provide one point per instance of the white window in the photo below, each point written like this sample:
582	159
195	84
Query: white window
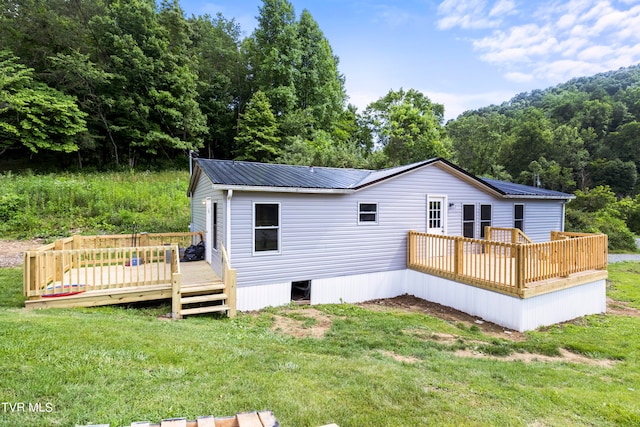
469	221
367	213
485	218
266	227
518	216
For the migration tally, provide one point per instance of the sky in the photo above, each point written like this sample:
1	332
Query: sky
464	54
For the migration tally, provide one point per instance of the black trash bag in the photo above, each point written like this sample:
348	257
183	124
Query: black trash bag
194	253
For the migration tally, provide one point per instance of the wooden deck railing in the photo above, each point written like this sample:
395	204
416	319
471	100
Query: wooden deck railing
506	235
83	263
67	271
229	279
505	267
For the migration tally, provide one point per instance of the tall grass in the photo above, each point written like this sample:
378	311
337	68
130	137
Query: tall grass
67	203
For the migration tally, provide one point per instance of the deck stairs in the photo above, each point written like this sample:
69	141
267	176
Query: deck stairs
200	298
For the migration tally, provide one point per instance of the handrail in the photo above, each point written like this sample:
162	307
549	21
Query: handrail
68	271
506	234
229	279
506	267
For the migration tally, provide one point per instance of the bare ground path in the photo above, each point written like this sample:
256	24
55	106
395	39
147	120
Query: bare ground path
12	251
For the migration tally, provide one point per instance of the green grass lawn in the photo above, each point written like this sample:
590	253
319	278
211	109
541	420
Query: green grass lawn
371	368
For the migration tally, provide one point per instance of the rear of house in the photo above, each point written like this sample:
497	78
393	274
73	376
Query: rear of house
342	233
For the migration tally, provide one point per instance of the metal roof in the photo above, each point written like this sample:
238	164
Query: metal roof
269	176
519	190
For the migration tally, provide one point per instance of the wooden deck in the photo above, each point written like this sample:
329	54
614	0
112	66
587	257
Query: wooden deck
514	267
196	276
87	271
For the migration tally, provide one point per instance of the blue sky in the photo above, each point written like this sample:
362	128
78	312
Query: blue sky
464	54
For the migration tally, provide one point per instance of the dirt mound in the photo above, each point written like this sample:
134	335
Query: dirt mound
411	303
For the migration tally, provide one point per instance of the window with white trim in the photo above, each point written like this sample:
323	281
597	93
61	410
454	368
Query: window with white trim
266	227
485	218
518	216
469	221
367	213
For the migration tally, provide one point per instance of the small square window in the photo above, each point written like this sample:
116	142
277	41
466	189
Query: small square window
368	213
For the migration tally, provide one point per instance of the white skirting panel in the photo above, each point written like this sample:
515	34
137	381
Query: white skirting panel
510	312
256	297
358	288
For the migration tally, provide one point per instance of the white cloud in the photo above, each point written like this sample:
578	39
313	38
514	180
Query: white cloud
519	77
503	7
470	14
557	39
458	103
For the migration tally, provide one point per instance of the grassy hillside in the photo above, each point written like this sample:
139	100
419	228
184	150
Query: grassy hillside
371	366
63	204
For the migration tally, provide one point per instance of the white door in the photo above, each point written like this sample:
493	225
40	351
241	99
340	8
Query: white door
208	231
437	214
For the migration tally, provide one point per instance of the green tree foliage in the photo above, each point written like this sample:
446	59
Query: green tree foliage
216	42
153	100
257	137
34	115
598	211
407	126
273	53
478	141
319	85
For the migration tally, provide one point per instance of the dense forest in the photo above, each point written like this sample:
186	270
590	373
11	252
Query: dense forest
99	85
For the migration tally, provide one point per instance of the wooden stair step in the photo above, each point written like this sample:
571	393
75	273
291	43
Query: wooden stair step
207	309
202	298
206	287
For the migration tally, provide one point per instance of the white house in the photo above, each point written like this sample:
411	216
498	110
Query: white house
341	234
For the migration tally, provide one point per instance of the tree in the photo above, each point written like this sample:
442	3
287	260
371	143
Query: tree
153	107
33	114
478	141
620	176
257	132
216	42
319	85
407	126
273	54
532	139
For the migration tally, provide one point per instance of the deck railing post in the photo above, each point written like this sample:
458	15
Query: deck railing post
176	304
230	284
519	267
487	232
458	257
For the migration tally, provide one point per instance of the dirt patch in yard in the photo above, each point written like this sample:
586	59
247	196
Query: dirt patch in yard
12	251
303	323
414	304
621	308
565	356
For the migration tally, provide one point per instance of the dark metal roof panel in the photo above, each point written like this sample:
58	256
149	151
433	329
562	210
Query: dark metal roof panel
230	172
512	189
253	174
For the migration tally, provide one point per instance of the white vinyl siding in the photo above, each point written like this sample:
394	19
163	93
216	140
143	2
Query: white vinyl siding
320	235
201	192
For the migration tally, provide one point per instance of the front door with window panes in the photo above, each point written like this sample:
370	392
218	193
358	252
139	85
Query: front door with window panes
436	214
